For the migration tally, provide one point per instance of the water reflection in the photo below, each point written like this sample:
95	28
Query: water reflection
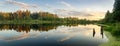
102	31
93	32
50	34
26	28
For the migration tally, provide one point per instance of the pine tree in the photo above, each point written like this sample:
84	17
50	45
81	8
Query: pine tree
107	16
116	11
116	6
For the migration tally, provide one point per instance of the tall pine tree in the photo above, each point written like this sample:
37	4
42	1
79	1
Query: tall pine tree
116	6
116	11
115	16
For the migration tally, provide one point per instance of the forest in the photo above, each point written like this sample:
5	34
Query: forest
112	23
112	19
26	17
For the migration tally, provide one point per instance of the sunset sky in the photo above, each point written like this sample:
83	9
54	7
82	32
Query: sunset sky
89	9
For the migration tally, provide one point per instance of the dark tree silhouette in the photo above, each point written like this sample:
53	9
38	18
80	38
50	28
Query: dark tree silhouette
93	32
102	31
115	15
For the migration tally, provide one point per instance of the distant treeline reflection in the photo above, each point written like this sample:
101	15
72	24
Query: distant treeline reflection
27	27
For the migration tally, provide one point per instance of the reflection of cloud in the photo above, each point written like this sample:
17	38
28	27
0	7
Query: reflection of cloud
67	38
80	30
20	37
23	36
21	4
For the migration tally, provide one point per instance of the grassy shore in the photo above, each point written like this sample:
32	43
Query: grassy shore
113	33
112	40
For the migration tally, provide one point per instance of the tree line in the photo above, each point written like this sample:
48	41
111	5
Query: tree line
37	17
26	15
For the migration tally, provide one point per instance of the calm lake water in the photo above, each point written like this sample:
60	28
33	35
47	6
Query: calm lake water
51	35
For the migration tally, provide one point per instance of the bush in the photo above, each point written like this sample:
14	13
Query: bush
116	30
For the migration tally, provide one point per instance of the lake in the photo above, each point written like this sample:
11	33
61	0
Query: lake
51	35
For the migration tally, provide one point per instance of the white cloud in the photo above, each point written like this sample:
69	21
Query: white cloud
86	13
67	5
49	7
68	13
21	4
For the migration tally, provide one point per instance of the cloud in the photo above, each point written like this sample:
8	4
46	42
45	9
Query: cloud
68	13
90	15
21	4
79	13
49	7
67	5
86	13
71	11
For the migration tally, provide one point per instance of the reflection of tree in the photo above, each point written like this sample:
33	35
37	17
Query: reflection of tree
93	32
102	31
26	28
43	27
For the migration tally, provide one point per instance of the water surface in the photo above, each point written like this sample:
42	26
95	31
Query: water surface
54	35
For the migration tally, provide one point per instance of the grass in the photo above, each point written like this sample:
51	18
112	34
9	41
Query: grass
113	34
112	40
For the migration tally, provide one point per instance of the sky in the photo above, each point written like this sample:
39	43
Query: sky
83	9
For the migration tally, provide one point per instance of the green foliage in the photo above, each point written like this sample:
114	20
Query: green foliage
34	16
113	19
108	17
37	17
116	6
116	30
27	15
115	15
